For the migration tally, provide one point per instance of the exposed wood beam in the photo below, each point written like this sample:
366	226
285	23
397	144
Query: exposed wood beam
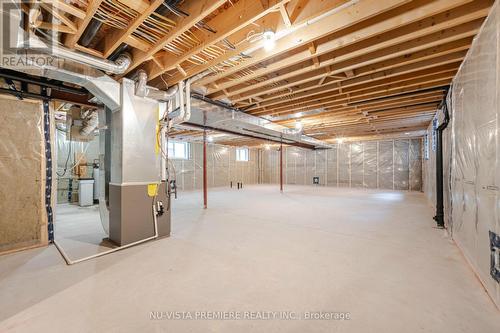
382	70
294	9
181	70
365	93
447	19
415	45
197	10
243	13
361	10
441	54
66	7
116	37
137	5
300	11
82	24
60	16
134	42
284	15
54	27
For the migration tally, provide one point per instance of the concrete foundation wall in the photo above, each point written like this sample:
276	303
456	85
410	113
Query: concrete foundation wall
387	164
222	167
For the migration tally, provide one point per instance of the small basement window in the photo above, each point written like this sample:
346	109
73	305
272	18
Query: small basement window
435	125
178	150
242	154
426	146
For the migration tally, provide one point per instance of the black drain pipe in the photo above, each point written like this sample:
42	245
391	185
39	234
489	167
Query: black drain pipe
439	218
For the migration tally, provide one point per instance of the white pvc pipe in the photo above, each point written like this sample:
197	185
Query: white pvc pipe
72	262
181	117
142	90
187	115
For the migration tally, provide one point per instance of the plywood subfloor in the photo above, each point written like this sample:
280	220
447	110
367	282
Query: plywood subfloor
374	254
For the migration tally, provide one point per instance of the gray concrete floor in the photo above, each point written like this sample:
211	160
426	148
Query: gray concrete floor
374	254
79	231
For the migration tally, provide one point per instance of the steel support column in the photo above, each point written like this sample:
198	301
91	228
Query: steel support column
205	191
281	166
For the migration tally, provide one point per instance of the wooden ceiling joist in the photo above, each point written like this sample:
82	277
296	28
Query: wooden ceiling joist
360	84
360	68
385	69
358	12
241	14
413	41
113	40
82	23
197	10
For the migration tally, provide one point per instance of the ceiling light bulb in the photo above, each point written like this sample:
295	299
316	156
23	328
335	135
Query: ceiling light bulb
269	39
340	140
298	125
268	34
210	138
267	147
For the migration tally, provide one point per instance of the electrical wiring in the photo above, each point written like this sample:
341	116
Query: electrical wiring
66	163
68	157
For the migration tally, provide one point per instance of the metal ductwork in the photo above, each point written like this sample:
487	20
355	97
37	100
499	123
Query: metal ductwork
119	66
216	116
21	40
142	90
34	56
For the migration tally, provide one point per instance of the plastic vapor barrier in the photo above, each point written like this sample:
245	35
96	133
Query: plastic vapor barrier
401	164
415	165
67	156
332	167
387	164
370	166
472	152
222	167
344	165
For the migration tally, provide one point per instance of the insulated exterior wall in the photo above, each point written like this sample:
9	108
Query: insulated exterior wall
401	164
387	164
23	219
472	209
222	167
415	165
370	165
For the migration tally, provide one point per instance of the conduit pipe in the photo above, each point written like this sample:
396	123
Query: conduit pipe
72	262
439	218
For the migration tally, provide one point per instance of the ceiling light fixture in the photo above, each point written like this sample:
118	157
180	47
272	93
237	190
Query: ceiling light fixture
298	124
269	38
210	138
340	140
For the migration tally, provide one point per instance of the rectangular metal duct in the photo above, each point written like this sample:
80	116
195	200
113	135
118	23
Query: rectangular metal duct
218	117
